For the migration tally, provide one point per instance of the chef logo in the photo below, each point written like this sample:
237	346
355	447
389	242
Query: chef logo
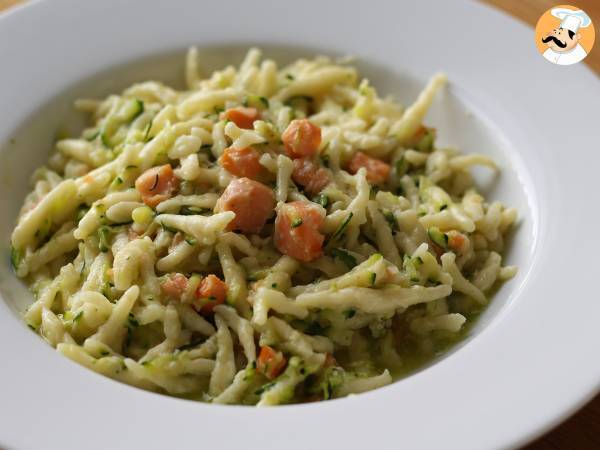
564	35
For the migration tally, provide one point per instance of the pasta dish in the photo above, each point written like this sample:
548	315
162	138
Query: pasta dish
266	235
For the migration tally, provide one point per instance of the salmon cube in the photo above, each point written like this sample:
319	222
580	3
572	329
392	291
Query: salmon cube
377	170
251	201
310	175
211	292
242	162
243	117
301	138
157	184
297	230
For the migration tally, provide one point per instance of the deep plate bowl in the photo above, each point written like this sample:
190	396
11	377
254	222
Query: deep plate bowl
531	358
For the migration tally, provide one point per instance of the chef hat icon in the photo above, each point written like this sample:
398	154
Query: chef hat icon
571	20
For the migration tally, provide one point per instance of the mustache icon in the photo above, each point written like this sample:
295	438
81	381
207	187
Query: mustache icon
555	40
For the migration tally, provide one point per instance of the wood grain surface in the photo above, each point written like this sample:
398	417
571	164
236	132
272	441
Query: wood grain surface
581	431
5	4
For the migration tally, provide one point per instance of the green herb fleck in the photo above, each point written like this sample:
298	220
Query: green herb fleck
372	278
433	282
131	325
168	228
322	199
337	233
105	140
139	108
314	328
401	167
345	257
192	344
264	101
264	388
349	313
132	321
147	129
296	223
257	275
425	144
437	237
15	258
206	150
81	211
103	238
391	220
299	101
191	210
92	135
411	265
256	101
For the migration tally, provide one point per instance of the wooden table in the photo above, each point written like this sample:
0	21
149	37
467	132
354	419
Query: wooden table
582	431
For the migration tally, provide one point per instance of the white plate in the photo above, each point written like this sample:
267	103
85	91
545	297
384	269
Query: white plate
532	359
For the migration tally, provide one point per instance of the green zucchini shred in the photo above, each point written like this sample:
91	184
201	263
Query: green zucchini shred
191	210
112	132
401	167
103	238
322	199
372	278
256	101
425	144
91	135
410	265
437	237
16	257
349	313
391	220
345	257
337	233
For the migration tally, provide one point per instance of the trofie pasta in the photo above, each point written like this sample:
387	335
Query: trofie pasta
266	236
